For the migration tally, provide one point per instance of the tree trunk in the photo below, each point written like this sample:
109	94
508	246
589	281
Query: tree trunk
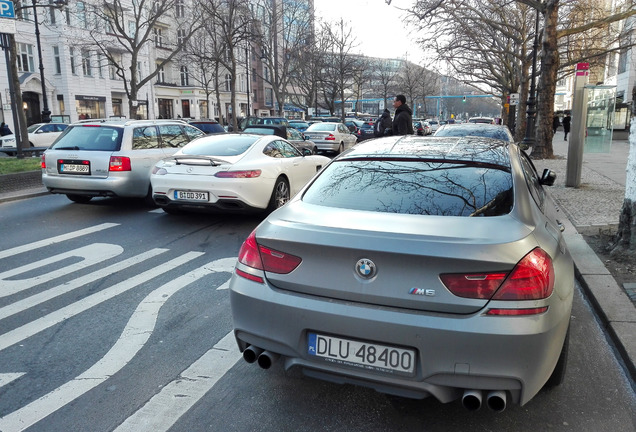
21	134
625	240
547	83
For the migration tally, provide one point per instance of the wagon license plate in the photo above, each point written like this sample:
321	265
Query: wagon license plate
191	196
75	168
363	355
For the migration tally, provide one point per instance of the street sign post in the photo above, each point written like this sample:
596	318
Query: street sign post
514	98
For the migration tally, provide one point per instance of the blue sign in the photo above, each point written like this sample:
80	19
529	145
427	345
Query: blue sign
6	9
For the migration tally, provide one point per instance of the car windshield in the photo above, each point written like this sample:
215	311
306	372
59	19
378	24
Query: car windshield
318	127
260	131
226	145
299	124
419	187
89	137
470	130
33	128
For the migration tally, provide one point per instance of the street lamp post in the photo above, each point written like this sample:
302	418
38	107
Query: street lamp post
46	113
529	140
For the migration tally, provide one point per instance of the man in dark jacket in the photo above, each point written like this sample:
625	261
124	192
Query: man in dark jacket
403	119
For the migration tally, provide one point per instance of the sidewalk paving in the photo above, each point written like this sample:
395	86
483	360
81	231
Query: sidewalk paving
592	207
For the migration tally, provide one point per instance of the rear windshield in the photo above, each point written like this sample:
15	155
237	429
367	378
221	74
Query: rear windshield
83	137
414	187
460	131
216	145
209	128
322	127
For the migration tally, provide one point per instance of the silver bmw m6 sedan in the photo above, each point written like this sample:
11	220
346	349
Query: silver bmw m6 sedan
418	266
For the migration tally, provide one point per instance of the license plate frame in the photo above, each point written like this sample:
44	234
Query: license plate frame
74	167
197	196
365	355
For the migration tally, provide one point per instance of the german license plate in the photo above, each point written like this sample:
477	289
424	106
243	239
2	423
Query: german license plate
191	196
74	168
364	355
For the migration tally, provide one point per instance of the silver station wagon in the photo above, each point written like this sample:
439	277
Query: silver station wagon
111	158
418	266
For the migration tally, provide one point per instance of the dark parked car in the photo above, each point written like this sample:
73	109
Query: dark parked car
207	126
269	121
301	126
475	129
417	266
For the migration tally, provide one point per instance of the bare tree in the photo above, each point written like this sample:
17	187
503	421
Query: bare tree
385	77
124	31
306	72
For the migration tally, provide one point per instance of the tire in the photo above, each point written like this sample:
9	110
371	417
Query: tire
80	199
558	374
340	149
280	194
148	200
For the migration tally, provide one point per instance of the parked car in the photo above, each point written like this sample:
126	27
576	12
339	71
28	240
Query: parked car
422	128
111	157
301	126
289	133
487	120
233	173
365	131
208	126
476	129
275	121
40	135
420	266
353	124
333	137
434	125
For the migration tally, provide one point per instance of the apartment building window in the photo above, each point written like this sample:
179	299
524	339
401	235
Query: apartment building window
181	34
132	29
185	76
23	13
56	60
158	36
86	63
228	82
622	61
139	70
161	75
180	8
265	73
100	63
81	14
269	97
71	53
52	17
25	58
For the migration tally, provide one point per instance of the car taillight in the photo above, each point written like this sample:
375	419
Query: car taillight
119	163
238	174
330	137
260	257
531	279
43	161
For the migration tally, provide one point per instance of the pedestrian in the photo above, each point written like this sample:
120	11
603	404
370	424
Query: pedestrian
566	125
403	119
383	124
4	129
555	124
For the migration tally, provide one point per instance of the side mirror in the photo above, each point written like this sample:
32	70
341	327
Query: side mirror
306	152
548	177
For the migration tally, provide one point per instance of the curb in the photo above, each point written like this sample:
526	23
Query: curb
17	182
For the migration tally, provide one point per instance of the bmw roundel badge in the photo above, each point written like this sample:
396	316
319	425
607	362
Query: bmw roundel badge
366	268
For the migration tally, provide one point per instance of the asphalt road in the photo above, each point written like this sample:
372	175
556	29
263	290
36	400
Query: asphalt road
115	316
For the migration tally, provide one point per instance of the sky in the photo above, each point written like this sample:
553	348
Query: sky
379	28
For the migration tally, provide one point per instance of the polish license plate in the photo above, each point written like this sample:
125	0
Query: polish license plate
191	196
364	355
74	168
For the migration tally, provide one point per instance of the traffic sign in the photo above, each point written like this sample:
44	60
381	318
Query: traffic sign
514	98
6	9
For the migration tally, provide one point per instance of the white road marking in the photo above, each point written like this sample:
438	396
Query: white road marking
6	378
135	335
225	286
91	254
51	293
163	410
21	333
50	241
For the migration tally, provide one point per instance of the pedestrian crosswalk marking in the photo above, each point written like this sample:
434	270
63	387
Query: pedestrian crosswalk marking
90	255
53	240
21	333
136	333
51	293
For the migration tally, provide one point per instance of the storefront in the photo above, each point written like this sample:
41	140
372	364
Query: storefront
90	106
166	109
117	107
